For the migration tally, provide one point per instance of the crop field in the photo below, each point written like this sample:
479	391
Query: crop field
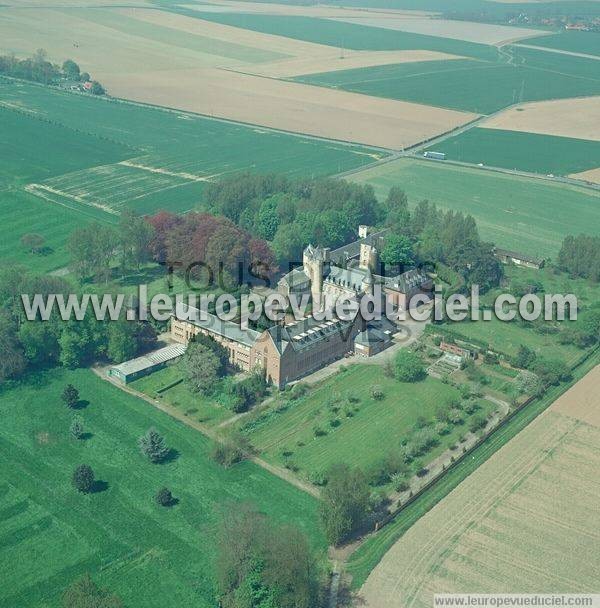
587	43
352	36
514	212
578	118
205	67
523	151
372	431
58	148
513	523
474	86
149	555
88	159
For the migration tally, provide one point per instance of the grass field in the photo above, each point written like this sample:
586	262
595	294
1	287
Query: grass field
197	407
476	86
366	558
24	213
511	525
523	151
575	42
149	555
515	213
373	432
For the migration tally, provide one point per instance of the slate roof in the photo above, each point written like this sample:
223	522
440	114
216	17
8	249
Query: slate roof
306	332
212	323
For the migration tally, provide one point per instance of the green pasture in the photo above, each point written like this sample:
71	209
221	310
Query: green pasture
23	213
523	151
482	87
523	214
151	556
587	43
373	432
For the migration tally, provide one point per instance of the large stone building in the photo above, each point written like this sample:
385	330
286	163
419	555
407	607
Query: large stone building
288	351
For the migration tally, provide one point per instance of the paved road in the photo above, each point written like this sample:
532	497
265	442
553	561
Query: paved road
559	51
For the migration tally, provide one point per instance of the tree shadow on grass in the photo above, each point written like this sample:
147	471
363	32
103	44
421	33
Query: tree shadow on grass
171	456
99	486
81	404
86	436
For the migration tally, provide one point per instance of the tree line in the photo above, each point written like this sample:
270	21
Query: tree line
33	345
37	68
580	256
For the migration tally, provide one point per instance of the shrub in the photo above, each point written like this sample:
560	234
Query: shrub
477	422
153	446
455	416
76	428
319	431
230	450
298	390
318	478
70	396
442	428
400	482
377	392
164	497
408	366
83	478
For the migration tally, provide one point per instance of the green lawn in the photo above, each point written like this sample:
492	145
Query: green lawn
373	432
197	407
514	212
151	556
575	42
371	552
477	86
523	151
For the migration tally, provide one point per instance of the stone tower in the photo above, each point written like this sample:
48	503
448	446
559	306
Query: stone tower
314	260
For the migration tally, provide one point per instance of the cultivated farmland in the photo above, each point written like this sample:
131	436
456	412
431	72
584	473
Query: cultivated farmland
514	212
513	522
88	159
523	151
190	67
577	118
587	43
469	85
150	556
